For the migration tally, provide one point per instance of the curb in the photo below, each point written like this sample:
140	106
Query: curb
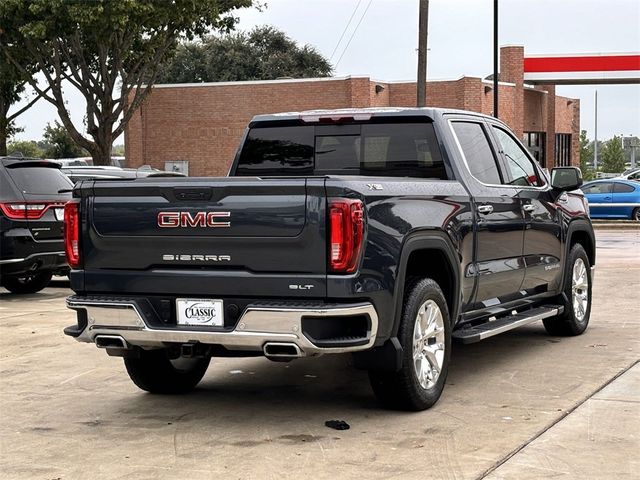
616	226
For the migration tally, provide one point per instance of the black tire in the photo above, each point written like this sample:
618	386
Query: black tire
28	283
569	323
636	214
402	390
154	372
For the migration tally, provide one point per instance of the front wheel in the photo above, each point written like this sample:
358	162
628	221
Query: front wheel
577	288
636	214
28	283
425	336
155	372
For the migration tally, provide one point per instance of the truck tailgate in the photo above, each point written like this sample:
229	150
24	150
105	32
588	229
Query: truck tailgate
145	230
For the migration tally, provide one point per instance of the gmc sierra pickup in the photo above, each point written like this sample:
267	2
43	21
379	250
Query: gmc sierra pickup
382	232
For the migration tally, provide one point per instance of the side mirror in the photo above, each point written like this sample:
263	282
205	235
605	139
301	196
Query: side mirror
566	179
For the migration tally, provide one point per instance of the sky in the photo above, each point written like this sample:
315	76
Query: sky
382	37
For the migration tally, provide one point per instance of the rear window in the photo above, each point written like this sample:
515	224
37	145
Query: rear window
39	180
622	188
277	151
594	188
385	149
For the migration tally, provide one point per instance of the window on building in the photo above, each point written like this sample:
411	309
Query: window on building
535	142
477	152
563	150
523	172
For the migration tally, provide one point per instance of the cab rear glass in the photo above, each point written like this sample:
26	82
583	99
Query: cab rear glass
384	149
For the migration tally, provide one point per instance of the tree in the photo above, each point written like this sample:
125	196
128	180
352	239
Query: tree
613	156
28	148
109	50
12	86
60	144
265	53
586	156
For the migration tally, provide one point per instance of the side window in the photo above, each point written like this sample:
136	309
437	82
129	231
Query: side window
477	152
523	172
622	188
594	188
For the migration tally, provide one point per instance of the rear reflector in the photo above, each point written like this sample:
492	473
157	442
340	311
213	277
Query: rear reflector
27	211
72	233
346	229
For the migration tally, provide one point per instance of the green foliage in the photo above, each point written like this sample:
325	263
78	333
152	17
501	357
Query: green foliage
106	49
118	150
613	156
60	144
12	86
28	148
586	157
264	53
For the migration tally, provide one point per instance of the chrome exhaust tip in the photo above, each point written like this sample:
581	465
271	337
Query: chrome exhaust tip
111	341
281	351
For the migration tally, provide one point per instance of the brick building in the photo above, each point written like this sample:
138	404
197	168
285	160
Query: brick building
200	125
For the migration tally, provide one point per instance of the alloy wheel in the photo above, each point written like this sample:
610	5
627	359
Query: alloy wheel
428	344
579	290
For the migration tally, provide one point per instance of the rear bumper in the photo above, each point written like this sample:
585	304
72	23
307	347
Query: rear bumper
36	262
258	325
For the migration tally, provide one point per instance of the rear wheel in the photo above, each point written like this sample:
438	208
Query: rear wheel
577	288
636	214
28	283
425	336
155	372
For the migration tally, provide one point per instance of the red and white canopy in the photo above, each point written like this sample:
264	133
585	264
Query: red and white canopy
590	68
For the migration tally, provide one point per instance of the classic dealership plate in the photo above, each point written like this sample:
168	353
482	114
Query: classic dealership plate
204	312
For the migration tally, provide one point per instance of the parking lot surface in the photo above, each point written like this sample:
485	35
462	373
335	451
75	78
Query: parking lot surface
519	405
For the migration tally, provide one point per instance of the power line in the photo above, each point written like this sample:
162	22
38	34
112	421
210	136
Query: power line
354	32
345	29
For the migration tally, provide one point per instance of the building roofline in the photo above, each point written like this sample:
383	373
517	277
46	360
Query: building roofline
321	79
256	82
504	84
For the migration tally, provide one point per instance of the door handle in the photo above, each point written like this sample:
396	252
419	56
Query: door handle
607	198
528	207
485	209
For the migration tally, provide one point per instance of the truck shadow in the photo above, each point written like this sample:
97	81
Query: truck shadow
255	389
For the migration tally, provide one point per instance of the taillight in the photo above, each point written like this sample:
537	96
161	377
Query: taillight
25	211
346	229
72	233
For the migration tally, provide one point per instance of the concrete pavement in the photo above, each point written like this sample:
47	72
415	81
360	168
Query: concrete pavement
68	411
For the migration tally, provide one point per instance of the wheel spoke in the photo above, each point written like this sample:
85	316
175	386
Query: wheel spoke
430	356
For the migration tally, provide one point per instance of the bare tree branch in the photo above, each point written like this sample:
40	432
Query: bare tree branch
14	115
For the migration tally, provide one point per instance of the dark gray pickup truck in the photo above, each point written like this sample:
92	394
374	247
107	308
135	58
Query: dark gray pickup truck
382	232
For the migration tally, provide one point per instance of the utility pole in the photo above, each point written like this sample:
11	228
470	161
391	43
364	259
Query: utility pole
423	28
595	141
495	58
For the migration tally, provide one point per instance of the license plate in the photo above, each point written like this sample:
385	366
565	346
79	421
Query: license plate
59	213
200	312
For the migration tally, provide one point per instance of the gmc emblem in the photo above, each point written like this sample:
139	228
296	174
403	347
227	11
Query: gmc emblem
189	220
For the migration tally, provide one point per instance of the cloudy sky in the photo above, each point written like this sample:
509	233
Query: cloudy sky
383	45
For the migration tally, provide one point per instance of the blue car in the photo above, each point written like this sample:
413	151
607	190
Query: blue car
613	198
